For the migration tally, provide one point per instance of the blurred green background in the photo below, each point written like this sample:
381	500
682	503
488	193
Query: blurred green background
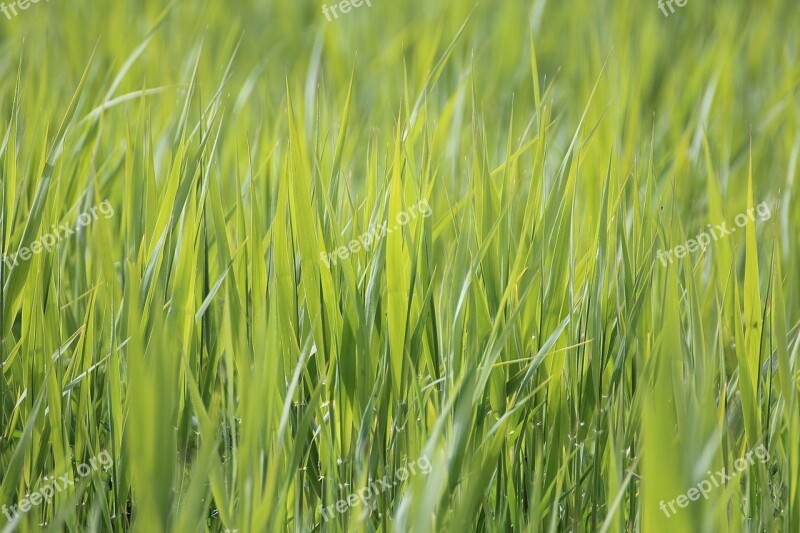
524	337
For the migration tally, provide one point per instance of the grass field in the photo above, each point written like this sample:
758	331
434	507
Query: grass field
425	266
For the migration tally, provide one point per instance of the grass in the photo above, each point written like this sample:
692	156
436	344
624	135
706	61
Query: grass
524	338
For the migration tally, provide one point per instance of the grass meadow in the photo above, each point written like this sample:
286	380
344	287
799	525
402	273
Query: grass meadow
226	352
